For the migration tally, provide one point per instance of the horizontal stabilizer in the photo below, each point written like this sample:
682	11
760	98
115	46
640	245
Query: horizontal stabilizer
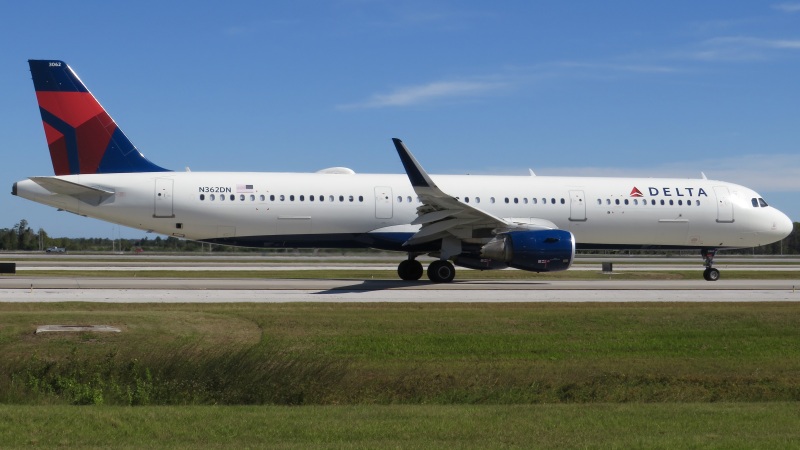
90	195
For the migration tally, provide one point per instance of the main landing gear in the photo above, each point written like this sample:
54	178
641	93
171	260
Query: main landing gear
441	271
710	274
410	269
438	271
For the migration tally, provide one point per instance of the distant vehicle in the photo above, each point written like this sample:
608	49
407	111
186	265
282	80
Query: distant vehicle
56	250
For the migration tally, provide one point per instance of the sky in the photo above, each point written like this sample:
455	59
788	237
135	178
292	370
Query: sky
619	88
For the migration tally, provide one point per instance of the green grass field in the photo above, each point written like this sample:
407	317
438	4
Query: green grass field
403	375
638	425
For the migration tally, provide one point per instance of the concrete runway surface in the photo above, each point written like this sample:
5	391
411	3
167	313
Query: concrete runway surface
178	290
22	288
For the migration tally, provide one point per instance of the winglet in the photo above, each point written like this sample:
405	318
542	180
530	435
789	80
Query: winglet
416	174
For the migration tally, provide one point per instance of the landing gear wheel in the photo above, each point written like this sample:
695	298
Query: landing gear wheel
410	270
441	271
711	274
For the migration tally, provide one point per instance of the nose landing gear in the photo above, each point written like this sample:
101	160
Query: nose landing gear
710	274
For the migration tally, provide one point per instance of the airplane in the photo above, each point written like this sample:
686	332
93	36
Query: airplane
532	223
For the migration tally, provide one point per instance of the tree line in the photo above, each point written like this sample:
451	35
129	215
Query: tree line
22	237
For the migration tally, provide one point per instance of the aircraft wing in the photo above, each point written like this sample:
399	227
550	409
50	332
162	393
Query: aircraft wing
87	194
442	215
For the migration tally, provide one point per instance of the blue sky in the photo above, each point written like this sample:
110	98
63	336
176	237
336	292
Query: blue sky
566	88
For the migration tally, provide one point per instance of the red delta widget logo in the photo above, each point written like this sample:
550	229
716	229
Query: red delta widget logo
670	192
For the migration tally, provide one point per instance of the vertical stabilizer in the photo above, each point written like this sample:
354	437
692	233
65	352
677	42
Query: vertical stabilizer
82	137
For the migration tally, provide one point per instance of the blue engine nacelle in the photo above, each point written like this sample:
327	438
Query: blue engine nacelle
537	251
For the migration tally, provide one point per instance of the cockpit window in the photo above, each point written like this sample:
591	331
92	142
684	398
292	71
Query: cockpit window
754	201
762	203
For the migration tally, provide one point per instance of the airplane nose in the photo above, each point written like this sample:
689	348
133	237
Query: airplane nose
783	226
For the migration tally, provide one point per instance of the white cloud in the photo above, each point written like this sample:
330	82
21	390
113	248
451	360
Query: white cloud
742	48
787	7
612	67
762	172
508	78
427	93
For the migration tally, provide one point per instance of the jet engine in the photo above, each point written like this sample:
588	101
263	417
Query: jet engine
535	250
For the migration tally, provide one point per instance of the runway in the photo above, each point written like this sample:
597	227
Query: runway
177	290
27	286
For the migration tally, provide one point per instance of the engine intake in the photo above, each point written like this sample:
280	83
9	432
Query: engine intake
537	251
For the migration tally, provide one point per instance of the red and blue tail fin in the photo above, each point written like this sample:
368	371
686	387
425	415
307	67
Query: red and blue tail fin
82	137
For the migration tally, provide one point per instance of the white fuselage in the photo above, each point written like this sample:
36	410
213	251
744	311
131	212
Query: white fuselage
375	210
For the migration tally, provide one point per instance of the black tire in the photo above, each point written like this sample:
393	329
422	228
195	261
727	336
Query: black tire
711	274
410	270
441	272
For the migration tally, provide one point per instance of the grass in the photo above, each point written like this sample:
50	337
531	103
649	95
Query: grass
328	354
656	375
750	426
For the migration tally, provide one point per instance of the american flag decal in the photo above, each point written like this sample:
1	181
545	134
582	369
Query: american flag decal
244	188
